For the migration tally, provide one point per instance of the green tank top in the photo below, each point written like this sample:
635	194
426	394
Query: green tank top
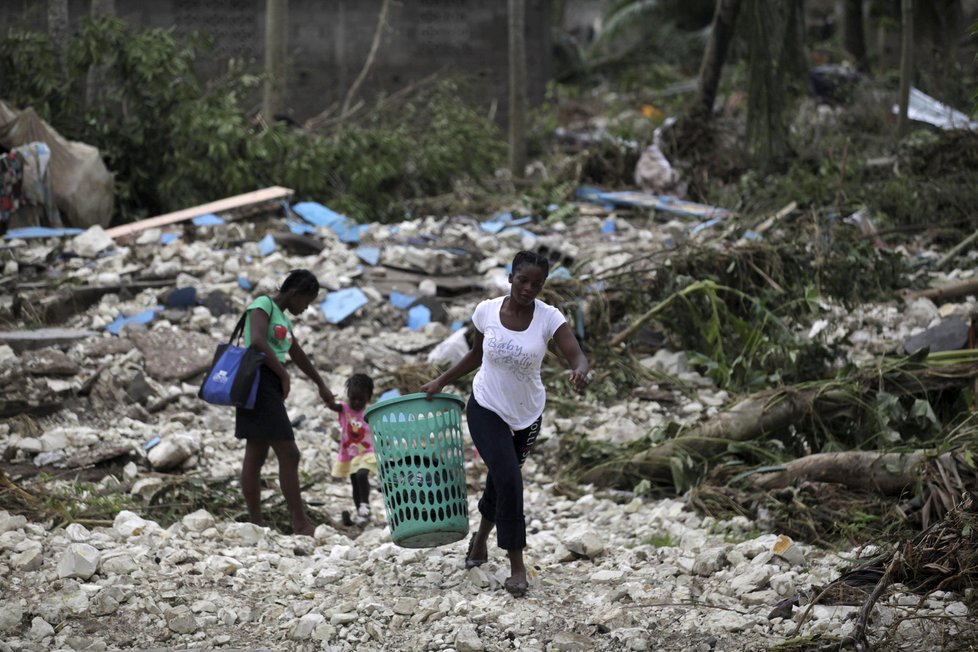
279	335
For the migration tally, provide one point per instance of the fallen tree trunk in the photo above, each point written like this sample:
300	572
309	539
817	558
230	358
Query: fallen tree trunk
680	461
755	417
889	474
946	292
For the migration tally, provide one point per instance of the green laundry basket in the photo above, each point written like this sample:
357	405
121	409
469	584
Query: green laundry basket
420	462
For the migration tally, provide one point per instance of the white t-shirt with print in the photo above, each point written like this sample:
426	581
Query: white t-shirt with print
508	382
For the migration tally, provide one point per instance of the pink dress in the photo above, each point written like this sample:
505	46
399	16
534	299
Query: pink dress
356	446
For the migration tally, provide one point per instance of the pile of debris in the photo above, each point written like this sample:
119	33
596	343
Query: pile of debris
99	383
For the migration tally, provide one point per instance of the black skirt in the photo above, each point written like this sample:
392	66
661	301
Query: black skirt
268	419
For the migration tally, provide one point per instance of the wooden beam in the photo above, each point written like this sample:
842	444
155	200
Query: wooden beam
256	197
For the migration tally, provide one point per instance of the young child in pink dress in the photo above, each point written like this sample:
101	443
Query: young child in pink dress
356	458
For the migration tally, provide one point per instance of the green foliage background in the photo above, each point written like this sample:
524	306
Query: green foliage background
174	141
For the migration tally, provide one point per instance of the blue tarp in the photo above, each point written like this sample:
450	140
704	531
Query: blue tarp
142	318
244	283
29	232
391	393
702	226
666	203
300	228
369	255
418	316
503	221
169	238
341	304
207	220
316	214
400	300
266	245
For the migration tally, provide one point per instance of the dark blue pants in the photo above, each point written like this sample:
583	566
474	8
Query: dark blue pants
504	452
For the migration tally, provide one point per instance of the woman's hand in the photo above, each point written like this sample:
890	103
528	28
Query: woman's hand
286	385
580	379
432	387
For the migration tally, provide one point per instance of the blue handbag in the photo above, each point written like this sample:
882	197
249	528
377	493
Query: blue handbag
234	374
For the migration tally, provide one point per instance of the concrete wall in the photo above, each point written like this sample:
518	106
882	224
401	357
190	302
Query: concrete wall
329	41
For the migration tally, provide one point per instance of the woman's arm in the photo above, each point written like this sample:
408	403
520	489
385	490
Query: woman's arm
470	362
302	361
575	357
259	341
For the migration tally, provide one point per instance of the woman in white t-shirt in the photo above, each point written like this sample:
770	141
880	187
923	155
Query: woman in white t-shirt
508	397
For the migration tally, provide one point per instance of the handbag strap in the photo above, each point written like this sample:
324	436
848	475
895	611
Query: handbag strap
238	328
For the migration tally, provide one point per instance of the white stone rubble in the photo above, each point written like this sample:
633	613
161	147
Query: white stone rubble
632	574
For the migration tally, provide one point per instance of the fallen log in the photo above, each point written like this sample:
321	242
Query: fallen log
755	417
889	474
946	292
773	412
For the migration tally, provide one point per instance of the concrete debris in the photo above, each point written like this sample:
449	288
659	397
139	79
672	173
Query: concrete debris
631	574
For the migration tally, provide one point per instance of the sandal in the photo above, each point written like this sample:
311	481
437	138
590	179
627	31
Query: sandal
469	561
516	589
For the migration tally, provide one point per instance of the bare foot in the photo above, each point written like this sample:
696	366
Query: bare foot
516	585
305	529
517	577
478	553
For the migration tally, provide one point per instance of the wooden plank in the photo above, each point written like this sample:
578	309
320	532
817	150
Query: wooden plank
219	206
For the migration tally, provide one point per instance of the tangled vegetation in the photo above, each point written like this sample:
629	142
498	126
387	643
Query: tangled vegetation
173	140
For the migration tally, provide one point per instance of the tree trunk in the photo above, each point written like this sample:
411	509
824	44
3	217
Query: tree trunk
711	68
855	34
95	79
276	48
889	474
775	58
517	88
906	66
58	31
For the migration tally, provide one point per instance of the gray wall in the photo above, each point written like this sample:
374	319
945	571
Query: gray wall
329	41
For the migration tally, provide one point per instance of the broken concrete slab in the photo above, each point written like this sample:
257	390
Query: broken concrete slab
387	280
174	355
108	346
57	307
43	337
950	335
49	362
298	245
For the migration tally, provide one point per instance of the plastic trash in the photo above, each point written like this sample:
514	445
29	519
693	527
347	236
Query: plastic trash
346	229
401	300
924	108
29	232
141	318
341	304
266	245
369	255
451	349
209	219
418	317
